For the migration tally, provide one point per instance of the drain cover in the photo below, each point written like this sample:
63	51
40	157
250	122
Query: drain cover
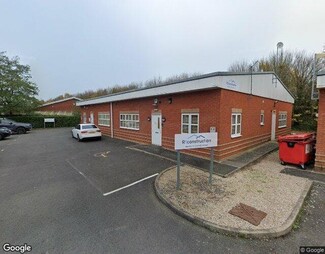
248	213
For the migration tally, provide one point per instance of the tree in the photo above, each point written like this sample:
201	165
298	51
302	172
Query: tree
295	69
17	91
240	66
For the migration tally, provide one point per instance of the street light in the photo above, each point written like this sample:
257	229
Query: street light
251	69
314	91
279	46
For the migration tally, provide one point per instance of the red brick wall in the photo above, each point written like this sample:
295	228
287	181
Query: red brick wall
205	101
215	108
253	133
65	106
320	145
95	109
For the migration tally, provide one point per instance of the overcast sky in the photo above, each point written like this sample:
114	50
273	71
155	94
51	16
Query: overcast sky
77	45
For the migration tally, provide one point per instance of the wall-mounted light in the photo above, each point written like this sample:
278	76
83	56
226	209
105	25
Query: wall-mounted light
170	100
149	118
275	102
155	101
163	119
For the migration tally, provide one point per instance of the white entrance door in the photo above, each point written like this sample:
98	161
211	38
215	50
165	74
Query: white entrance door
156	130
84	117
91	120
273	124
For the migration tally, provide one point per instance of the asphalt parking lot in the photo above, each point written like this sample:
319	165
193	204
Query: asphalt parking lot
61	196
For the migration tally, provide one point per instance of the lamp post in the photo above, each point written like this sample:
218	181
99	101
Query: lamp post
251	69
279	46
314	91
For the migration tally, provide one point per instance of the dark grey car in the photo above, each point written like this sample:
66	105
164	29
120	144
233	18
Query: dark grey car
4	132
15	127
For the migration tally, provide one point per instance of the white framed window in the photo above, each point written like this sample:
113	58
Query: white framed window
129	121
236	125
190	123
262	119
104	118
282	119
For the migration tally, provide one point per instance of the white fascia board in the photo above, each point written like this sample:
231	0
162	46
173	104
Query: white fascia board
187	86
265	85
260	84
321	81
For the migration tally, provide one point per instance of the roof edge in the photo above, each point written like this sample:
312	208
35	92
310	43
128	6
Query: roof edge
62	100
208	75
321	73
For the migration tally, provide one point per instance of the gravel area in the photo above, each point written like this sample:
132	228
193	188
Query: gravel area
261	186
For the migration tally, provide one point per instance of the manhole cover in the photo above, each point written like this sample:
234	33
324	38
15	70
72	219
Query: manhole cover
248	213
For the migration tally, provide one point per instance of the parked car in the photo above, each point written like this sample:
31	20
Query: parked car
15	127
4	132
86	131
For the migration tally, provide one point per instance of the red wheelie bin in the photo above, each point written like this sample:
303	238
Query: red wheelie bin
297	149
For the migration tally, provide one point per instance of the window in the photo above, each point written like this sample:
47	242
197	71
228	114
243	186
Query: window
88	126
104	119
282	119
262	119
129	121
235	125
190	123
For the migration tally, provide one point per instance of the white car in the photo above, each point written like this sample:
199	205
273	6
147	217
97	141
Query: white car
85	131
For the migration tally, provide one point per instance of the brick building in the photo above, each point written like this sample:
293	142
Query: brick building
61	107
246	109
320	145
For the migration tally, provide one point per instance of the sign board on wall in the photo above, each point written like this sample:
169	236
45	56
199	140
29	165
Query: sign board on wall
232	84
197	140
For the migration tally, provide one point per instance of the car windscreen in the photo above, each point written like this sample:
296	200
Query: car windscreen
89	126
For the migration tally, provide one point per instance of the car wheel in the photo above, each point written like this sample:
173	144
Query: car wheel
21	131
1	137
99	138
78	138
72	135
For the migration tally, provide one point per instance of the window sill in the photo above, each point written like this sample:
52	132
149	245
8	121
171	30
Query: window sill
262	124
236	136
281	127
105	125
132	129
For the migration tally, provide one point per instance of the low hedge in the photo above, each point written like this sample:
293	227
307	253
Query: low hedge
38	120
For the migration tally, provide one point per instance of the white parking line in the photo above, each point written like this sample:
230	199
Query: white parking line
153	154
83	175
129	185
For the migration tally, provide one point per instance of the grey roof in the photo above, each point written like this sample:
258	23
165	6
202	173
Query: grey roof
166	88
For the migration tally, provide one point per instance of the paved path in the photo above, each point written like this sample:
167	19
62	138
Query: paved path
314	176
224	168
